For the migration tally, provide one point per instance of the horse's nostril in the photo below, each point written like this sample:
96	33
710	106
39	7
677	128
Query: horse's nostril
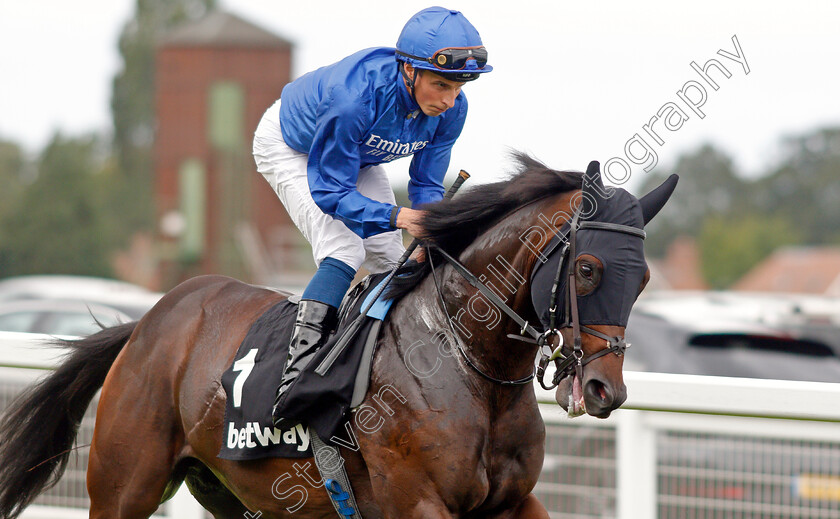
599	390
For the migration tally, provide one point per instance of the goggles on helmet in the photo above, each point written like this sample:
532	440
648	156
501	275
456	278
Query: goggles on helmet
454	58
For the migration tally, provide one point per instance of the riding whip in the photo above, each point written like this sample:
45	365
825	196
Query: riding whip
351	331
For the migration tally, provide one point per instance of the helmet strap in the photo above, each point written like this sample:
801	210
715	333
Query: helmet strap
409	81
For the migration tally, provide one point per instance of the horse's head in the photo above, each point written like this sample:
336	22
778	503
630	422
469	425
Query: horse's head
599	257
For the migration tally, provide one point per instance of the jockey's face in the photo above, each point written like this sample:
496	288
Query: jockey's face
434	93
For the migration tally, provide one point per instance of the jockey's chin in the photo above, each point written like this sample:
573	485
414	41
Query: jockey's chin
432	111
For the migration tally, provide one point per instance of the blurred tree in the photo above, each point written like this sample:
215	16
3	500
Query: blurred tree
805	188
11	175
737	223
55	224
708	186
729	247
132	101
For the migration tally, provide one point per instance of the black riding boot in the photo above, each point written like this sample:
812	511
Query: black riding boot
313	325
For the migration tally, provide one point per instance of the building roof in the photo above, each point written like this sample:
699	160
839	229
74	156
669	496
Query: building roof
679	269
810	270
221	29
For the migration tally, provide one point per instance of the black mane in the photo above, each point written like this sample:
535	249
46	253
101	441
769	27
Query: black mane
454	224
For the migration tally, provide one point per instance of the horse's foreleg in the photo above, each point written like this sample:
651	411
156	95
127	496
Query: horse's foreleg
427	509
529	508
408	500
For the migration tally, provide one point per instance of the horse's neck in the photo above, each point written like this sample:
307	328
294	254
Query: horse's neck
503	257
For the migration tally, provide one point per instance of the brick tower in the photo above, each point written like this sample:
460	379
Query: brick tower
215	77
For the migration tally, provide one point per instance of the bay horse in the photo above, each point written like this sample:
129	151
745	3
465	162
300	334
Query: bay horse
458	434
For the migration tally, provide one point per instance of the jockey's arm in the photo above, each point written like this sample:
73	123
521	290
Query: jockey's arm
409	219
428	167
333	169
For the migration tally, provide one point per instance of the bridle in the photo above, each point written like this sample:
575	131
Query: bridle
570	362
574	361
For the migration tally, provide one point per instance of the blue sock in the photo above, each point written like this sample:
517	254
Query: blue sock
330	282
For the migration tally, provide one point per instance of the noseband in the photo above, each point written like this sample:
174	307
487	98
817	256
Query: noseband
566	364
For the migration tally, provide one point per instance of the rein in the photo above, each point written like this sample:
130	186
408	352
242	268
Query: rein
496	300
565	364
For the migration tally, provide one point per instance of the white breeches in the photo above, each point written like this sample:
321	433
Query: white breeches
285	170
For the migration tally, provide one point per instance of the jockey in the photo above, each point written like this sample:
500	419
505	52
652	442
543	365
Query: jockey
321	150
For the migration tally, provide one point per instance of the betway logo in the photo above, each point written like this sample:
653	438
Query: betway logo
390	150
244	438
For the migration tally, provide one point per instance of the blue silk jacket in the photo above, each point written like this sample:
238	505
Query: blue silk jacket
357	113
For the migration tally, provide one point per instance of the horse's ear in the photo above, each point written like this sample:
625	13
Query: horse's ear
655	200
592	186
593	174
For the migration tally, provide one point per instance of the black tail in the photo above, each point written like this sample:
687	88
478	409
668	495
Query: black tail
38	429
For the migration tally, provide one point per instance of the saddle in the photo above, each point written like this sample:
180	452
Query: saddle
319	402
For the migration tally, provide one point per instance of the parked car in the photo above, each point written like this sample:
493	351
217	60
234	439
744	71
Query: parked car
58	317
132	300
703	474
770	336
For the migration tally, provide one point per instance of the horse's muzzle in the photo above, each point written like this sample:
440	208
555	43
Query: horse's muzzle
601	399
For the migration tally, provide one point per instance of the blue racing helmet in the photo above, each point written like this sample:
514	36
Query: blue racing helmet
444	42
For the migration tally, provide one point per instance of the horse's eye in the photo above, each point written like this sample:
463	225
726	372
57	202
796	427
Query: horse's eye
588	274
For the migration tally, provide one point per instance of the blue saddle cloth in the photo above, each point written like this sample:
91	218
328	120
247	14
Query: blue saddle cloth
381	306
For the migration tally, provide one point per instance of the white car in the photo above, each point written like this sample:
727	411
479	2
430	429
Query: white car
70	318
132	300
733	334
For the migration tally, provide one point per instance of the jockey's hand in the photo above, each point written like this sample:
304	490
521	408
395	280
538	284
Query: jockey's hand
419	254
409	219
